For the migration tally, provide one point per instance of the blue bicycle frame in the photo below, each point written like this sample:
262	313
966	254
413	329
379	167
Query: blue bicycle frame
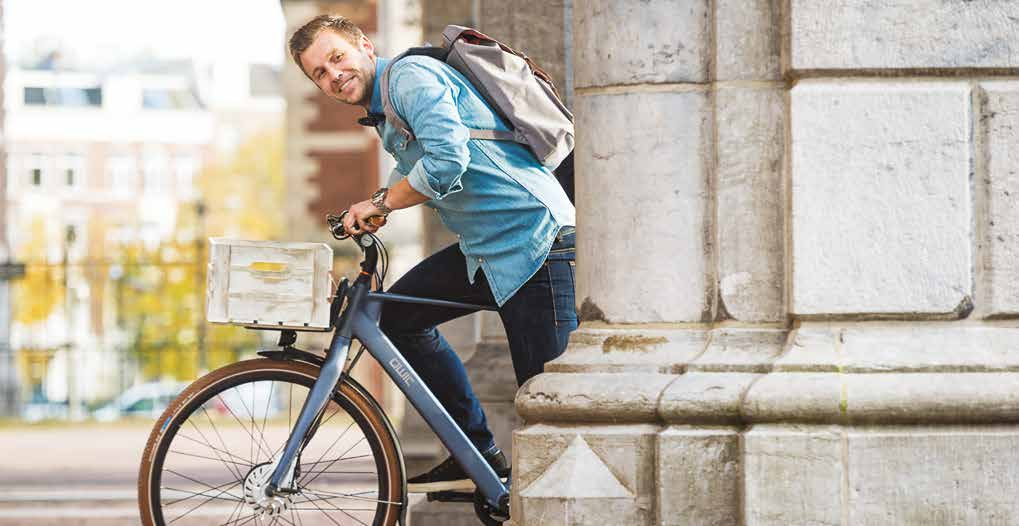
360	320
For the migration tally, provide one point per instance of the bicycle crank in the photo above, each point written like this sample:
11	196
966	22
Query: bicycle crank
489	515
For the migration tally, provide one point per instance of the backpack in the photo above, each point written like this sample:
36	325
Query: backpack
519	91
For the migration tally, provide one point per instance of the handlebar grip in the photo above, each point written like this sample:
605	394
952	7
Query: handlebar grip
336	224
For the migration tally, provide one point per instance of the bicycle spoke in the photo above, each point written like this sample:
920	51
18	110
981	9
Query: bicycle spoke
210	499
232	469
330	517
268	402
231	484
249	518
261	436
196	481
336	459
245	462
309	481
216	430
237	510
352	496
246	430
209	458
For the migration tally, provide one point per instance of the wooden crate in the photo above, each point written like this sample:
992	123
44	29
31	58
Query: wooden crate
269	284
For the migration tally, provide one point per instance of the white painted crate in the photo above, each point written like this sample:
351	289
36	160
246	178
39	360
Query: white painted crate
269	284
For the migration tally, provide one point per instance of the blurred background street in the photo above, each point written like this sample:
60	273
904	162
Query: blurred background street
80	475
130	133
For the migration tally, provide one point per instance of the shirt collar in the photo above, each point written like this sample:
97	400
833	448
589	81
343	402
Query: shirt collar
376	103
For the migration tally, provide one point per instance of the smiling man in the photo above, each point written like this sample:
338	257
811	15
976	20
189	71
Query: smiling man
514	222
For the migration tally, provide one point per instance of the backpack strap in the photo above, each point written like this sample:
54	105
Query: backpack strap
401	126
493	135
387	104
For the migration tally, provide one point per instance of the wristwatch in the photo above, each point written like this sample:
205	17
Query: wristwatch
378	200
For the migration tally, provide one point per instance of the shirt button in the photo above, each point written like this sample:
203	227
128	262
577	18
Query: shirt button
481	260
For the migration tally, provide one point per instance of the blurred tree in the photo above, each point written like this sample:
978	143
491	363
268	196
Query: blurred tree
244	194
162	302
41	291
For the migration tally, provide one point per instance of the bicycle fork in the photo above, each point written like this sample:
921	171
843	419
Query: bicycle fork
329	376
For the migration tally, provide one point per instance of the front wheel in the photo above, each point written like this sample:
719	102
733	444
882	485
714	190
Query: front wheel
210	454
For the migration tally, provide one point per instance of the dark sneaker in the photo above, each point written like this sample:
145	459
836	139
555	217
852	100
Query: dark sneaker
449	476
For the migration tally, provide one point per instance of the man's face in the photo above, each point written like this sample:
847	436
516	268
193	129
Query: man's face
343	71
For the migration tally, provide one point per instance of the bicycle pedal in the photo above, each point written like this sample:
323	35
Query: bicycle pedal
450	496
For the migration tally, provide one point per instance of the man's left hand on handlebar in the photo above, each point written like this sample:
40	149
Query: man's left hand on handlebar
356	220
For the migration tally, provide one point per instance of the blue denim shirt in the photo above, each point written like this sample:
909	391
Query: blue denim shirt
505	207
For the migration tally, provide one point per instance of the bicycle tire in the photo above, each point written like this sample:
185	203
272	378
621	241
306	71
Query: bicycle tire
362	410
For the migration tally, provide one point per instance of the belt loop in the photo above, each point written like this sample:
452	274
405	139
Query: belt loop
565	231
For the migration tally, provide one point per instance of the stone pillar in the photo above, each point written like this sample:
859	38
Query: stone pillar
796	269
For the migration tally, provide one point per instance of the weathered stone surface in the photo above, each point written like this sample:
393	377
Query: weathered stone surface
933	476
747	36
751	225
932	398
445	513
795	397
793	475
890	398
577	474
705	398
813	348
627	451
880	201
740	350
646	42
534	28
698	476
932	347
490	370
596	348
591	397
870	34
502	421
627	269
1000	133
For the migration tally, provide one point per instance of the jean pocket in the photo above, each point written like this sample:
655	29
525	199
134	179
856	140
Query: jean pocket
560	274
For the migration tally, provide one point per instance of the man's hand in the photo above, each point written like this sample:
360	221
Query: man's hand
356	219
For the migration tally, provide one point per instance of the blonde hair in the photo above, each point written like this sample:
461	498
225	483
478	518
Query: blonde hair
301	40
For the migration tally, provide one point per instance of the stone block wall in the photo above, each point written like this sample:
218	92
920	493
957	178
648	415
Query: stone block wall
796	269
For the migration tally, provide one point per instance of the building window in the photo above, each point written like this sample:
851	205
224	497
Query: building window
156	171
122	174
63	96
169	99
72	170
36	168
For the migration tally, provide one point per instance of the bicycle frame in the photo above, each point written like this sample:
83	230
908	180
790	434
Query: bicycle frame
360	320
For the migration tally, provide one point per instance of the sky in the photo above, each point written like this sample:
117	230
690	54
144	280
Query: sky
103	31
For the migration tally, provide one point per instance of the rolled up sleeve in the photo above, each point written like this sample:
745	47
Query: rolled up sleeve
428	105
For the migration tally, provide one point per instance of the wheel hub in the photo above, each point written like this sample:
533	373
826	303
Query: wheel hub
255	496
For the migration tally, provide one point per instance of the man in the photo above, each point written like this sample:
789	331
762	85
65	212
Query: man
514	222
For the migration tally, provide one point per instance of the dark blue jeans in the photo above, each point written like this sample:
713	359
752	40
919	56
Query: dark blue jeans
538	319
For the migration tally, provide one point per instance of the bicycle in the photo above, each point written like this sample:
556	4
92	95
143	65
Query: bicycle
261	471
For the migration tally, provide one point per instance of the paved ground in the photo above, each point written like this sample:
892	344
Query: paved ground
83	475
75	476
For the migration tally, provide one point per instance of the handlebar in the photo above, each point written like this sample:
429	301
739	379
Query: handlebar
336	225
368	244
